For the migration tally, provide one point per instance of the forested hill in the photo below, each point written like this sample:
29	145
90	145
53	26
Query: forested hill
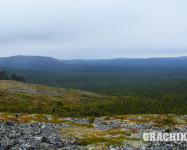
50	64
157	85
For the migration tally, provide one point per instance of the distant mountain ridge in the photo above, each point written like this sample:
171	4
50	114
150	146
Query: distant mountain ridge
51	64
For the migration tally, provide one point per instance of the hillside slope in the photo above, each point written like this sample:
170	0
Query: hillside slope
32	98
21	97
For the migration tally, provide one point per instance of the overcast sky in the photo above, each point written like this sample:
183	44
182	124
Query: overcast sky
89	29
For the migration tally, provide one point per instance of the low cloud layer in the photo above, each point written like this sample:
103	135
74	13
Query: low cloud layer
89	29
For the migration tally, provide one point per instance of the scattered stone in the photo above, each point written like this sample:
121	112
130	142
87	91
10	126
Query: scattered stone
77	120
128	134
9	123
167	131
133	118
41	135
47	117
33	136
153	146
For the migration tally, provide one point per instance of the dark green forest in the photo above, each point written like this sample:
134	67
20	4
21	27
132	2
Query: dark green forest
155	85
110	83
165	99
148	91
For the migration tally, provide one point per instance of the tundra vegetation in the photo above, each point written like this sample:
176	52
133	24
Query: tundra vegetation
21	97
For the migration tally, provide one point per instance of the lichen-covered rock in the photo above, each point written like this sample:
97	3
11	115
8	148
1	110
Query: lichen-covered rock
47	117
34	135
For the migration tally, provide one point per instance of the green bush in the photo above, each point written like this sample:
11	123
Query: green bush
91	119
59	104
169	120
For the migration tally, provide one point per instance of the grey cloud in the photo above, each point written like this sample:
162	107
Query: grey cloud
72	29
29	37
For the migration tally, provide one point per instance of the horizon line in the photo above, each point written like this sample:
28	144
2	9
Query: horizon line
95	58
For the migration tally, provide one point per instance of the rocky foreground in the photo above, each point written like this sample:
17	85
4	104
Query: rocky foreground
33	136
35	132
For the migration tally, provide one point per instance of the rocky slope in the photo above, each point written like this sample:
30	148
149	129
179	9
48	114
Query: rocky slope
34	136
23	131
